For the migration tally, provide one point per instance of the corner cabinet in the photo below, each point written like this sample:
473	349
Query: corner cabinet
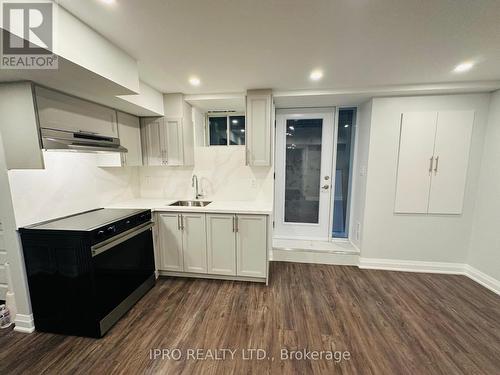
226	246
259	127
167	141
129	132
432	163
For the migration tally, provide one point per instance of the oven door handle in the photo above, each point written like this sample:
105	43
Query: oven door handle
122	237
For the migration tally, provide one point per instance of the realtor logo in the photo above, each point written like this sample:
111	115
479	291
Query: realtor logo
28	35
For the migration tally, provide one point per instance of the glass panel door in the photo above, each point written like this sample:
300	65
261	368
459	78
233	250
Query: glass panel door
304	146
303	170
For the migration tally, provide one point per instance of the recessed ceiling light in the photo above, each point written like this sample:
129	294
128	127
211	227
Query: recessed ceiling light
463	67
316	75
108	2
195	81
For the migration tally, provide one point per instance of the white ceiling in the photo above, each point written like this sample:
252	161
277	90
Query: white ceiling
234	45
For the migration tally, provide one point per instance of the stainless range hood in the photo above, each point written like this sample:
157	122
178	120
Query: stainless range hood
79	141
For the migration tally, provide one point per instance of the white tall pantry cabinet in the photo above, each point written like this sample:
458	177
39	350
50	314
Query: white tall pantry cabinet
433	159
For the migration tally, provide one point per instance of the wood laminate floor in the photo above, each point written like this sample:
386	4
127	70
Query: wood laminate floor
389	322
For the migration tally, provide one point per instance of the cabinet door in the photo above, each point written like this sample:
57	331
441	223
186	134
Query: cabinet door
130	137
258	125
251	245
451	157
170	240
151	144
221	244
173	140
194	242
416	150
65	112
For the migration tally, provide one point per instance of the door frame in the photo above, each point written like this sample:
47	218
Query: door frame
280	159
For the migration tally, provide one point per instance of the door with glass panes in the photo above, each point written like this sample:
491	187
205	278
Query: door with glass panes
304	149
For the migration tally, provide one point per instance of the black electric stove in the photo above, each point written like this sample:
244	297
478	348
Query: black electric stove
86	270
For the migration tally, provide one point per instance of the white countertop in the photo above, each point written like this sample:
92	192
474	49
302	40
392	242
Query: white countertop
241	207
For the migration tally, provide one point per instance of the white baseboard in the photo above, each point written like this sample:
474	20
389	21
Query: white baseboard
411	266
24	323
317	257
432	267
482	278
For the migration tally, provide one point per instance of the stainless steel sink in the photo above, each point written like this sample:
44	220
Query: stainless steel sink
190	203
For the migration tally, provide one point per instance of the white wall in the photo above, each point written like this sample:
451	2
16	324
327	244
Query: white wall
432	238
70	183
222	173
484	250
362	145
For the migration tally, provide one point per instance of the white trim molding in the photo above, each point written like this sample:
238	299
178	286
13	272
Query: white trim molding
24	323
432	267
482	278
411	266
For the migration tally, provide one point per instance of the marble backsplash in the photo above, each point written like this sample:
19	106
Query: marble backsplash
222	175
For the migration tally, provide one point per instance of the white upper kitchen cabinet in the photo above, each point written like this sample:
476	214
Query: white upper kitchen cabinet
194	242
221	244
170	241
19	128
153	152
259	127
251	245
169	140
59	111
129	132
173	140
433	158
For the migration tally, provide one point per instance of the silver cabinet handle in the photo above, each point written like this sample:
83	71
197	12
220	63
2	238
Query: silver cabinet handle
236	224
182	222
437	164
430	164
178	222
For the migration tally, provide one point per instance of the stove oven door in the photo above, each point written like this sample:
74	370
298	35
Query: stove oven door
123	269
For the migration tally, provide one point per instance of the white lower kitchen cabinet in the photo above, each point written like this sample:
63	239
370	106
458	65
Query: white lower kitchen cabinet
194	242
221	244
170	242
251	245
225	245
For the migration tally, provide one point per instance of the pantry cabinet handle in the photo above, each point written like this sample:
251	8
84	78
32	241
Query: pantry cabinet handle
182	222
234	225
178	222
437	164
430	164
236	221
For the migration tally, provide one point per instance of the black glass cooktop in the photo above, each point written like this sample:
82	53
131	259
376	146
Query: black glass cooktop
86	221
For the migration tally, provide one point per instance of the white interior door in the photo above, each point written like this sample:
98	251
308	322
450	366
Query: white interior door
304	154
451	157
